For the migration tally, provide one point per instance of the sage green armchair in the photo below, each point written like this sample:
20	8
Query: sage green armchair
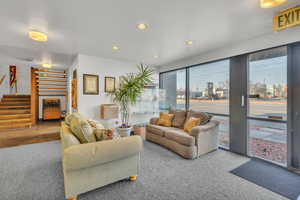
93	165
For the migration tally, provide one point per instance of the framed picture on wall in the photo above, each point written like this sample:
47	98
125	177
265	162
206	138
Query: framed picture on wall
90	84
110	84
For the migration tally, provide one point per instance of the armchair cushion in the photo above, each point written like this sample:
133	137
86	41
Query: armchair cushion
82	130
92	154
179	118
181	137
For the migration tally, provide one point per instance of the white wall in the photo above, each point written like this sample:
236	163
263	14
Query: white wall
259	43
23	75
89	105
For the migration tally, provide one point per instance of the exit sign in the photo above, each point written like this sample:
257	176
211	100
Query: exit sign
286	19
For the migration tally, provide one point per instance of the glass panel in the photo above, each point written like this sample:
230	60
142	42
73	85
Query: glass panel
223	131
268	141
268	100
209	87
174	84
209	92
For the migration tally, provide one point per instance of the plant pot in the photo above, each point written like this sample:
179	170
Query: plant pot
140	130
124	132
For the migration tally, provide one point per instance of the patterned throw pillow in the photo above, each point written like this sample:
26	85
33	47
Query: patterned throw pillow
165	119
204	117
191	123
104	134
69	118
95	124
179	118
82	130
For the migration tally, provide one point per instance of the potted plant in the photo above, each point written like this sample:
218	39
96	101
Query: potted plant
127	94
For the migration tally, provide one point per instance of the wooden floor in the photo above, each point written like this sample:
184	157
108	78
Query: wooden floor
44	131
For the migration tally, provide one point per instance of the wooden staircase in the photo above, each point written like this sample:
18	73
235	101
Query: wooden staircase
15	111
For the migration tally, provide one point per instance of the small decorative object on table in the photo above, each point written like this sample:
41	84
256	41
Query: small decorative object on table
140	130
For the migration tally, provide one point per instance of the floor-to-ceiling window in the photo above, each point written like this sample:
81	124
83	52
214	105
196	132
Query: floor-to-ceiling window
267	105
174	90
209	92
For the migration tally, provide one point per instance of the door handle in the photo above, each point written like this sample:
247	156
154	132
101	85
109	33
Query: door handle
297	115
243	101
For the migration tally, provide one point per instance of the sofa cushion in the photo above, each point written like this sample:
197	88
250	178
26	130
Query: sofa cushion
179	118
181	137
82	130
158	130
204	117
165	119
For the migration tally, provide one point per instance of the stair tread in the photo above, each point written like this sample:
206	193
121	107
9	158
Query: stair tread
15	111
17	125
14	102
14	116
14	120
14	106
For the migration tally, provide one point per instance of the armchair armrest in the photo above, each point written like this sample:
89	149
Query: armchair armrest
154	120
91	154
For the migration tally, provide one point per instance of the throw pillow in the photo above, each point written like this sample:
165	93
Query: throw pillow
104	134
204	117
95	124
191	123
179	118
69	117
165	119
82	130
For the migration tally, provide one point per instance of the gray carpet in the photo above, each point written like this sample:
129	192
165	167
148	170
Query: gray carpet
33	172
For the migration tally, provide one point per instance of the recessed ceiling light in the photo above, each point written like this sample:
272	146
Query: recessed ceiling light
142	26
189	42
271	3
115	48
38	36
46	65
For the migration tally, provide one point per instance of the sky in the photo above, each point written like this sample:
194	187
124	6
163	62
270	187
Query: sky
270	71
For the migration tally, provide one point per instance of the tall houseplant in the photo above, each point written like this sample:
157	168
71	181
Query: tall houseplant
129	91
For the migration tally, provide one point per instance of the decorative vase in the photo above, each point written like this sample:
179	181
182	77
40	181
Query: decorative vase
124	132
140	130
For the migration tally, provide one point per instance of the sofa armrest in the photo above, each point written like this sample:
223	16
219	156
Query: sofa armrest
154	120
91	154
210	126
207	133
206	137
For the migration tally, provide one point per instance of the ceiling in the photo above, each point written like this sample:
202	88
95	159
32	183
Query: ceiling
92	27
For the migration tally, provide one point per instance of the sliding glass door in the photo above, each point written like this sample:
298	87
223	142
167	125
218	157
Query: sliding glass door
267	105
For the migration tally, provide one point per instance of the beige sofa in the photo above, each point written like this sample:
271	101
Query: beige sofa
93	165
201	140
